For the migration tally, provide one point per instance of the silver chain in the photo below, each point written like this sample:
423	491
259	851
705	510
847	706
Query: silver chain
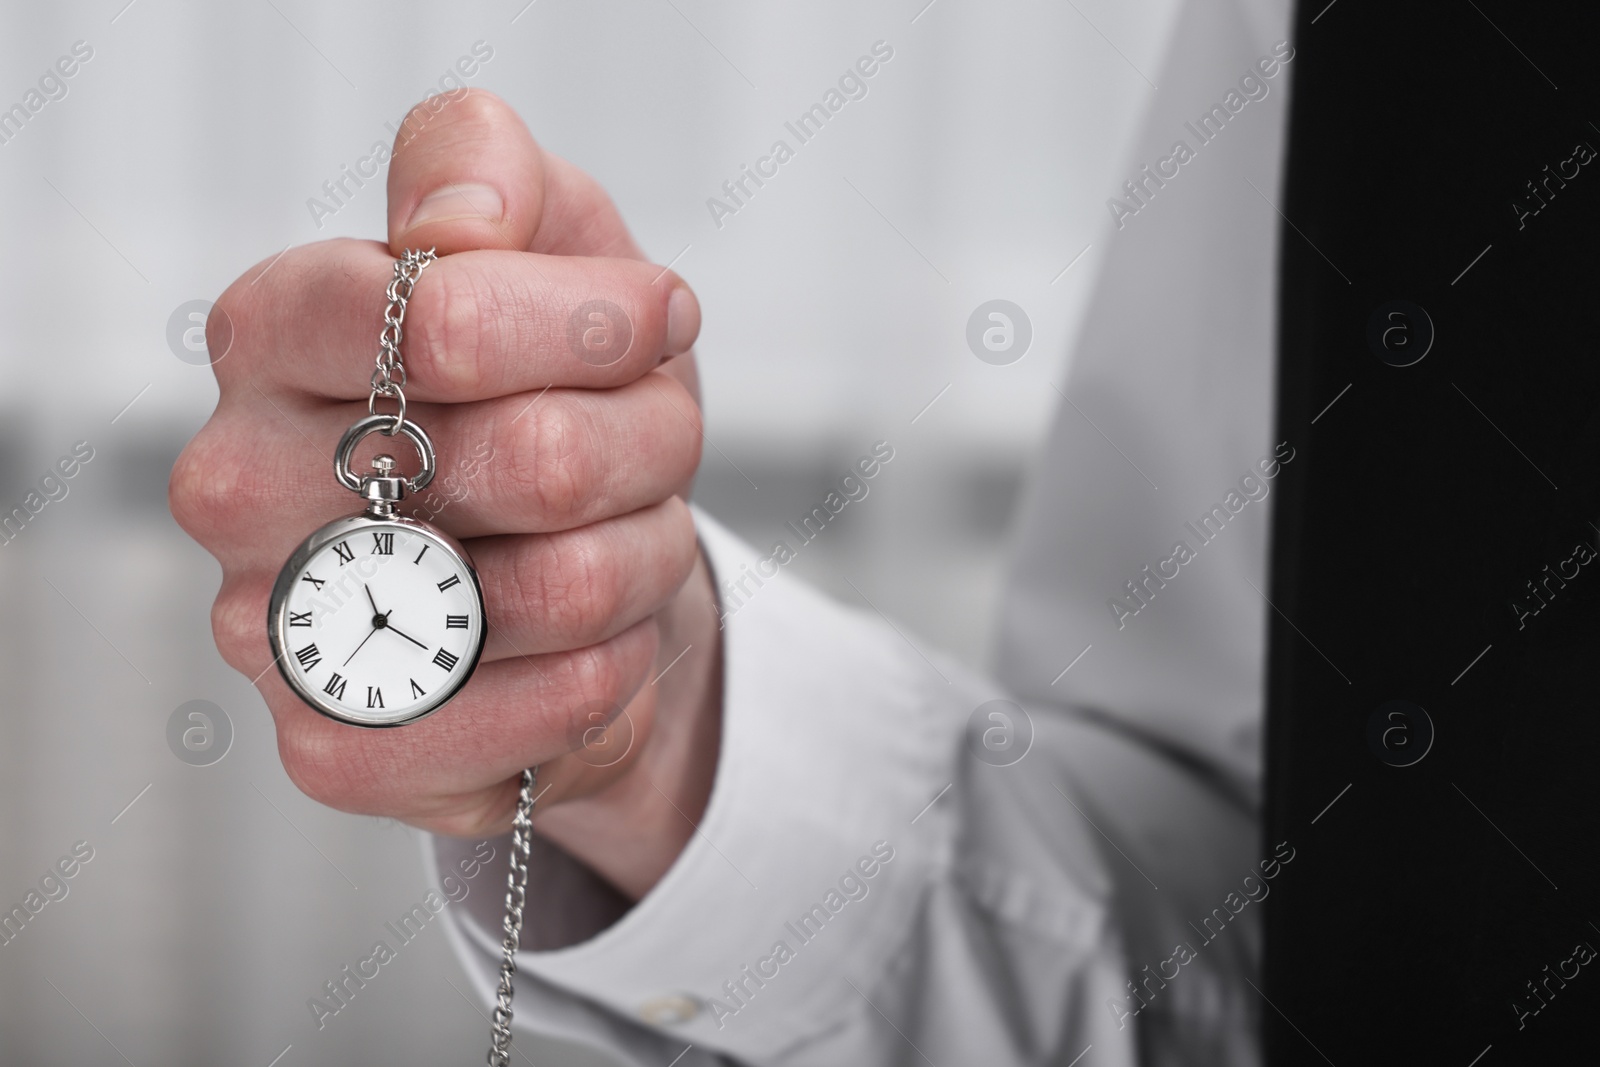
389	376
389	380
516	898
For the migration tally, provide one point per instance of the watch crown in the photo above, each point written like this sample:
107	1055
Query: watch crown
382	487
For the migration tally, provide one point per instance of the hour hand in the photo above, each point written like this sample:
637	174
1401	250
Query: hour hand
408	637
371	601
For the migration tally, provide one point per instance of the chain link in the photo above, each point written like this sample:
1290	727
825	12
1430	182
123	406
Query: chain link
389	376
516	898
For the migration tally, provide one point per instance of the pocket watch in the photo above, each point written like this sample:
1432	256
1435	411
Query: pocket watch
377	619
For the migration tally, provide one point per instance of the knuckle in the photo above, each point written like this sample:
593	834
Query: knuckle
481	814
202	492
597	673
677	395
329	765
683	539
578	586
602	233
551	464
237	624
685	427
445	321
184	487
696	439
474	106
229	320
219	327
316	762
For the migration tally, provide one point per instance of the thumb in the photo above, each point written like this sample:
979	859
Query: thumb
465	174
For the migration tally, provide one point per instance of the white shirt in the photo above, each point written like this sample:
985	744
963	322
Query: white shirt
1002	914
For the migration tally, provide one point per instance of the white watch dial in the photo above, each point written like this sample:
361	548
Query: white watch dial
380	625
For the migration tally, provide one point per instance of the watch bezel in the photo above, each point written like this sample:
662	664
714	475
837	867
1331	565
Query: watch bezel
277	615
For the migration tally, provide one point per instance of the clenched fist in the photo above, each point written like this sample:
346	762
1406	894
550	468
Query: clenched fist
574	511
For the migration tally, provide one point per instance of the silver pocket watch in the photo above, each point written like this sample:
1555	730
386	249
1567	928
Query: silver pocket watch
377	619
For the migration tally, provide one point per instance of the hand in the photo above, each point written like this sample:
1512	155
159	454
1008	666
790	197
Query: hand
363	643
392	628
379	619
592	576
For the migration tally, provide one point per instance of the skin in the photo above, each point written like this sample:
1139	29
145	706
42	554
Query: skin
592	577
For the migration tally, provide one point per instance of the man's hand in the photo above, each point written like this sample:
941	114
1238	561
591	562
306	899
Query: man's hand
591	574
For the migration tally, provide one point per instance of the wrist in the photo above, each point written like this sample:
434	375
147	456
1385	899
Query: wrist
632	830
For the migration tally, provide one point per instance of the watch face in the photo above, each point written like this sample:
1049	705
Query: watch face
377	622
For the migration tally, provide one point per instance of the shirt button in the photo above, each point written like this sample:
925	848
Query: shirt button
669	1010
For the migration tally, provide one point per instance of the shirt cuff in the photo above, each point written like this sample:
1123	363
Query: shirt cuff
820	837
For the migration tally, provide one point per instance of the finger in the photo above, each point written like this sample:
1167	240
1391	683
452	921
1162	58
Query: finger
580	217
581	220
551	592
467	174
523	464
513	714
478	325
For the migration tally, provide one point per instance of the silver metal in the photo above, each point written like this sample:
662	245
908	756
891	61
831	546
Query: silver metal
382	489
375	424
389	380
399	416
516	900
389	376
278	613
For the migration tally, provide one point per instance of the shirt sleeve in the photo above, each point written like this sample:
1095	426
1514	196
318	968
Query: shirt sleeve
885	873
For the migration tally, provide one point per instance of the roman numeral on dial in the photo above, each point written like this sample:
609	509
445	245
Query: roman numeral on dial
450	582
424	552
451	622
374	697
309	657
316	583
299	618
417	690
335	686
344	552
446	660
383	544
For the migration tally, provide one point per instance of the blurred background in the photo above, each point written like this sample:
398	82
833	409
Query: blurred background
185	149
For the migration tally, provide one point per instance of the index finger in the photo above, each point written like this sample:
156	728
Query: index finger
479	324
